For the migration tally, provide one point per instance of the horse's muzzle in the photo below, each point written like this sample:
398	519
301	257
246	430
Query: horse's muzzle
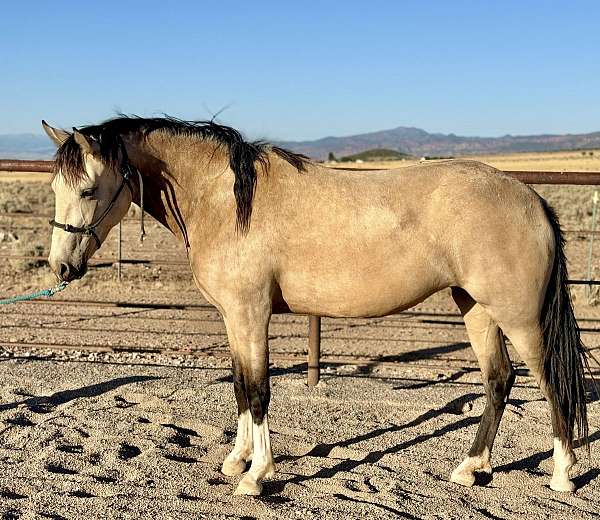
67	272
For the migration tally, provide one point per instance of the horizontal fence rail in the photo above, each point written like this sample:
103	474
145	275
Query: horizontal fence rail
546	177
528	177
18	165
314	343
110	262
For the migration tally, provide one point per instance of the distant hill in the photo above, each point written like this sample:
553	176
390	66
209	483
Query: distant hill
26	146
406	140
418	142
377	154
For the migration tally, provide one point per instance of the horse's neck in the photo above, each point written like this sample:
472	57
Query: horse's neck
175	173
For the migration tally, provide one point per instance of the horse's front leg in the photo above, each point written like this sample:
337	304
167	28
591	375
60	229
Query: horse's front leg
248	332
235	462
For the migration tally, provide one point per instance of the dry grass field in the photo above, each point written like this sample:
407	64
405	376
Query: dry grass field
24	177
138	426
551	161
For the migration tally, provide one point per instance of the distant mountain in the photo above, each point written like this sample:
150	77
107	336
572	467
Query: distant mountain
26	146
408	140
415	141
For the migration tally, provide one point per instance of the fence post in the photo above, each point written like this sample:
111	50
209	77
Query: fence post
314	349
119	251
589	273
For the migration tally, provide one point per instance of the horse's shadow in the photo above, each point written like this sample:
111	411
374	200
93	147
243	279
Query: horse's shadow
532	462
453	407
46	404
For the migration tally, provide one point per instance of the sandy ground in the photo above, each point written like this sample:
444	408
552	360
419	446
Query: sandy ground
138	427
130	434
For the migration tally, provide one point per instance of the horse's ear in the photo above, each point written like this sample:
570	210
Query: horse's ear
57	135
87	144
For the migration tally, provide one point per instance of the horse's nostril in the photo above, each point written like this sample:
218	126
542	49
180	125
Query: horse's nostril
64	271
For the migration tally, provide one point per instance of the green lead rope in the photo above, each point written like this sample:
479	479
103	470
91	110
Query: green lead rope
46	293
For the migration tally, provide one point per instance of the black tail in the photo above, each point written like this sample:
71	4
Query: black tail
564	353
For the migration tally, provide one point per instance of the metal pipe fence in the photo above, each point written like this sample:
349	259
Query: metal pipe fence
314	334
19	165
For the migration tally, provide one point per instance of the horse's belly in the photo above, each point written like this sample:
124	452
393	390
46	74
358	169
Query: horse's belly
356	292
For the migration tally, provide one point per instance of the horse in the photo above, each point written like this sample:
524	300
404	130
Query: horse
270	231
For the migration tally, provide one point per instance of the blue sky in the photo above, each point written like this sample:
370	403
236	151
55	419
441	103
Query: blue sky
303	70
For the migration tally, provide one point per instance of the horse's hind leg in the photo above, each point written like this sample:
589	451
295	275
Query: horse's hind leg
498	377
528	342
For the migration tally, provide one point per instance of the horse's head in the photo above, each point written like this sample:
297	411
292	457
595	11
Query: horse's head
91	185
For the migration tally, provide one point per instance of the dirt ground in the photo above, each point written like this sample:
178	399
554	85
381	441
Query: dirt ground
127	411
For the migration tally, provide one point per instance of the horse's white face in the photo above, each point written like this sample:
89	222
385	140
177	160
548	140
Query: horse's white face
83	203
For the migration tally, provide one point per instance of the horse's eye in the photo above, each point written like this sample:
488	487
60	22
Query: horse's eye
89	193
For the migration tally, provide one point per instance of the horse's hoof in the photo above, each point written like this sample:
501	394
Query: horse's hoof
234	467
463	478
562	484
248	486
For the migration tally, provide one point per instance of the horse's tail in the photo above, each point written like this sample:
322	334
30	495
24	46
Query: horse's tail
564	353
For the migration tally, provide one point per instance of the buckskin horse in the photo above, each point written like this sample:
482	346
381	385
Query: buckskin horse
269	231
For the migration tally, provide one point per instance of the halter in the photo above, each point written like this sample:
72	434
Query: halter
90	229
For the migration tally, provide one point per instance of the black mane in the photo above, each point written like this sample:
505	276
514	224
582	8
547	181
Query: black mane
243	155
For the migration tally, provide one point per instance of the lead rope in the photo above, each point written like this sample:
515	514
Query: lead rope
142	230
46	293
